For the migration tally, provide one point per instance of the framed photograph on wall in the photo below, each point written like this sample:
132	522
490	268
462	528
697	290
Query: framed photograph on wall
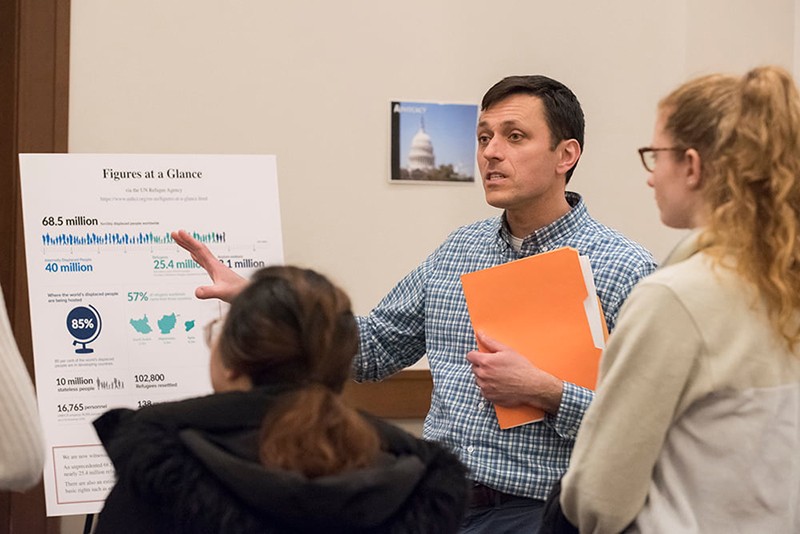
433	143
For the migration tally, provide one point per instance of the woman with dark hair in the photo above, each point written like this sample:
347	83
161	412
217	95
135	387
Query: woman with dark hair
275	449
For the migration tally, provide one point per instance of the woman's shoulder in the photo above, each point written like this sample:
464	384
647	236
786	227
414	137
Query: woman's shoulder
696	276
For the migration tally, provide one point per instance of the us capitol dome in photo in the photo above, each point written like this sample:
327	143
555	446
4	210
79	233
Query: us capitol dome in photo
420	156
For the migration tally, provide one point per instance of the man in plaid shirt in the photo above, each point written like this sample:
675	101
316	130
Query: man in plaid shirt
530	137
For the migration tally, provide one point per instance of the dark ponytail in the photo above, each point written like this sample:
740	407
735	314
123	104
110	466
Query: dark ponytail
315	433
293	326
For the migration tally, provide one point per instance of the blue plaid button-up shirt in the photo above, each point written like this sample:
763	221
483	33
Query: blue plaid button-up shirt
426	314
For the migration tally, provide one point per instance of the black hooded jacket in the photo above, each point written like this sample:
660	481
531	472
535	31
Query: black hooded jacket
192	467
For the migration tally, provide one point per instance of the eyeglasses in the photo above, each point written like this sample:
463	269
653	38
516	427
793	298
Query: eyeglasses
648	155
212	330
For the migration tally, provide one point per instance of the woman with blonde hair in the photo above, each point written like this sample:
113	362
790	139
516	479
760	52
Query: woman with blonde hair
275	449
696	422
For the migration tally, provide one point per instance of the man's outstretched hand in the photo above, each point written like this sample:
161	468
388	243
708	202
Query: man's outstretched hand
226	284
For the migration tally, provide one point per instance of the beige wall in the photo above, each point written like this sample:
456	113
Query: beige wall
311	81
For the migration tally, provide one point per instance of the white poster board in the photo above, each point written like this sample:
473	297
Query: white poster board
114	319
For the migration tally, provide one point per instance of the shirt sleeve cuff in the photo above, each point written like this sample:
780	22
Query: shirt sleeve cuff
575	400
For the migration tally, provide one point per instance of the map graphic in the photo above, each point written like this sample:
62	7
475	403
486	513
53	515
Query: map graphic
166	324
141	325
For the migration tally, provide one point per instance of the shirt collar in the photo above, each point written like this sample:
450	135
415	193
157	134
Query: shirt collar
686	247
556	232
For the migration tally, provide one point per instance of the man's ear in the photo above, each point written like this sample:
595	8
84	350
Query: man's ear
694	177
569	152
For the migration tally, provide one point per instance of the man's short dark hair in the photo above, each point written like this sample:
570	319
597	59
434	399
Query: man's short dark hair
562	111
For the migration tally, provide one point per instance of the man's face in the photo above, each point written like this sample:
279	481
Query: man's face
520	170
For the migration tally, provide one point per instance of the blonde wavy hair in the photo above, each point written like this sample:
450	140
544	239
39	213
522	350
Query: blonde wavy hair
747	132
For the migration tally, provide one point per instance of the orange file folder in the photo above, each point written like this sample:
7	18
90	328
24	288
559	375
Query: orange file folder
546	308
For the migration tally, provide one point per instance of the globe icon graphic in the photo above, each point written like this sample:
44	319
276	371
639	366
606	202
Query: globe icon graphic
84	324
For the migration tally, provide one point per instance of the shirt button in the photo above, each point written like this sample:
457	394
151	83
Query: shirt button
470	449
